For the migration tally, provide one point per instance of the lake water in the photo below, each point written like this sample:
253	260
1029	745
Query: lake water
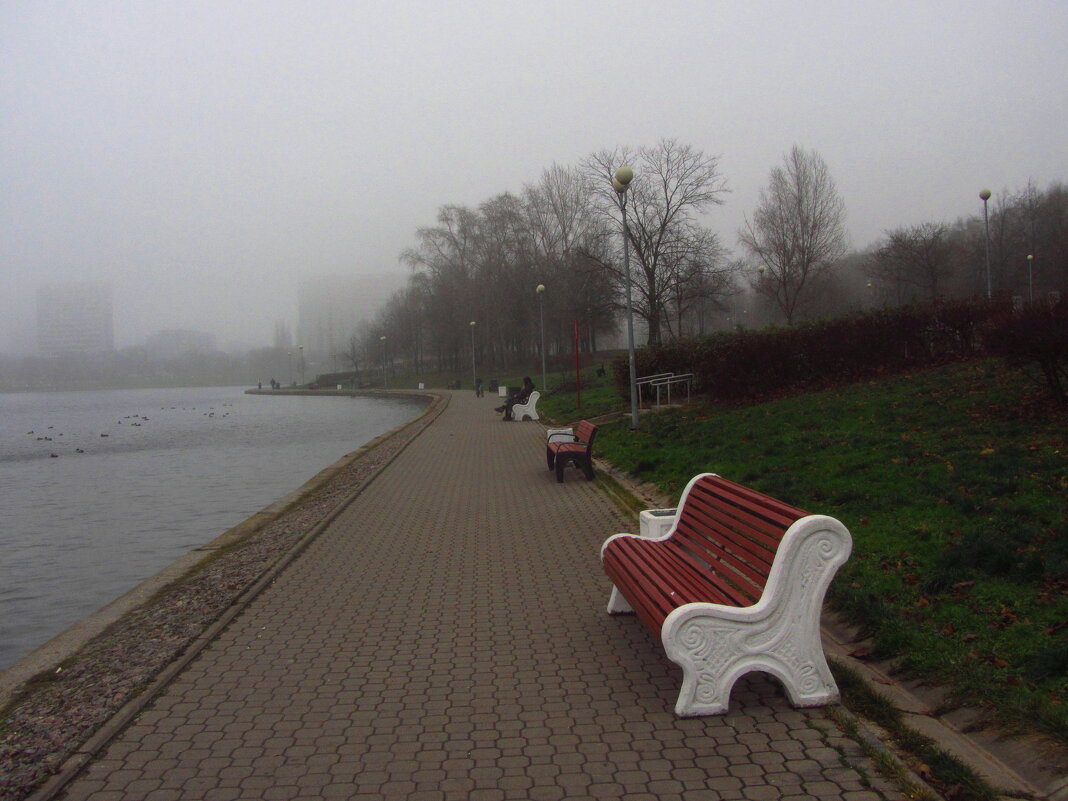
140	477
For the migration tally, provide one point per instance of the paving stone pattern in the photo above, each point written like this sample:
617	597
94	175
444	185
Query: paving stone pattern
446	638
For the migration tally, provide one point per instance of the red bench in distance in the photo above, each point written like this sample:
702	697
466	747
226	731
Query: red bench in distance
575	447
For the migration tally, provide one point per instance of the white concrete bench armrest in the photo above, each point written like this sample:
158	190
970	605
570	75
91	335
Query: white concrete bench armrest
780	634
528	409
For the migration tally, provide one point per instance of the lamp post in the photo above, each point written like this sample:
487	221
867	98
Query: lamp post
541	314
985	196
474	374
1030	282
385	381
300	361
620	181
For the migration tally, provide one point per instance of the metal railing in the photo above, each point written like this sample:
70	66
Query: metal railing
667	381
647	380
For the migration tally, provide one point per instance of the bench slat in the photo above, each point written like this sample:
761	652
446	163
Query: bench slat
760	506
721	551
668	578
670	568
703	531
734	534
568	447
740	581
749	507
654	603
725	552
584	431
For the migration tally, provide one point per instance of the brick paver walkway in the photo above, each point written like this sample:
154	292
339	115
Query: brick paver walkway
446	638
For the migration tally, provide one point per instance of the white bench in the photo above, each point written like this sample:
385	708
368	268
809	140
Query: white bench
735	585
523	410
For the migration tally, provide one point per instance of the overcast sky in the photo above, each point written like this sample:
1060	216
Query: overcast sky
204	156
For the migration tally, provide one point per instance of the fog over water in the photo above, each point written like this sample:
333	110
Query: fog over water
203	157
139	478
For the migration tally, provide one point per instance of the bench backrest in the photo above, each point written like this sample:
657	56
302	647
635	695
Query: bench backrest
585	431
732	531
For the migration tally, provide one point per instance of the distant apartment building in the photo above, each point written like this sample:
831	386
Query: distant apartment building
283	337
331	308
75	319
176	343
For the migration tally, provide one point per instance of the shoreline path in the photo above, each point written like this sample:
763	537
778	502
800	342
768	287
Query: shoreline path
445	637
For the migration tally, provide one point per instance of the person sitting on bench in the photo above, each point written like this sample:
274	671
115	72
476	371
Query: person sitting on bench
520	396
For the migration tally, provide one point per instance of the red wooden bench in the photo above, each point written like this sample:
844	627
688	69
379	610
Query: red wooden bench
576	447
736	585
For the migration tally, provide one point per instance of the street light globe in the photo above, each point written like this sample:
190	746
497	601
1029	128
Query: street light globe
620	188
624	175
472	322
984	195
382	338
1030	257
540	289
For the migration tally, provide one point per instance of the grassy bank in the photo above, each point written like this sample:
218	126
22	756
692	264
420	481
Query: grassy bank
954	483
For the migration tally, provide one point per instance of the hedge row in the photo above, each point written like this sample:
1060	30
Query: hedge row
1036	339
751	365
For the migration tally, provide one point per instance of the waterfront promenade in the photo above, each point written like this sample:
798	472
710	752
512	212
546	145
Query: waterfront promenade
445	638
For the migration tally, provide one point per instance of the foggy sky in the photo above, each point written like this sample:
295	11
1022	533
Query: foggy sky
203	156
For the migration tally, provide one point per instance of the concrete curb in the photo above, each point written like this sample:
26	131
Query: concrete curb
1012	767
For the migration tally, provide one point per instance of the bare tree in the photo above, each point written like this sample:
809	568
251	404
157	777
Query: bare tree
698	288
920	256
673	184
797	232
447	258
567	228
352	353
1030	223
559	209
